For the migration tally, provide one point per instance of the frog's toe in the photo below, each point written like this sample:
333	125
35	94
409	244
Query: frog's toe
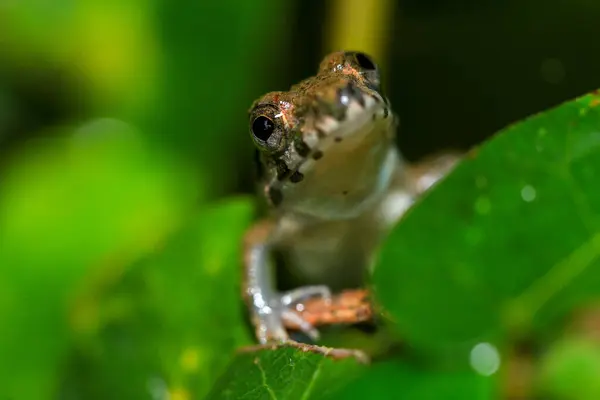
300	294
282	309
294	318
269	328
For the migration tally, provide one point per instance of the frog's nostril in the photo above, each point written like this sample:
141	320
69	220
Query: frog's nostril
349	93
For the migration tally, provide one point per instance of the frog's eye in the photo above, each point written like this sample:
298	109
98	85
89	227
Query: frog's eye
365	66
365	62
262	128
267	128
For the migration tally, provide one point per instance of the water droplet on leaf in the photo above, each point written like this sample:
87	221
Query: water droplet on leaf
484	359
528	193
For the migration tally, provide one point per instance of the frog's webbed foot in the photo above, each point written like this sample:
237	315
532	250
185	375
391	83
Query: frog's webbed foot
281	309
271	311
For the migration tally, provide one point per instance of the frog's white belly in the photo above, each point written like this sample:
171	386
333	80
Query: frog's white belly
339	253
332	253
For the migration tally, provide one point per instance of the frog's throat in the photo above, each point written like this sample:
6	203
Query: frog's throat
347	148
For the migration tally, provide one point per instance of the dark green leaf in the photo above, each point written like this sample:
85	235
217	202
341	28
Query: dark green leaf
508	241
397	380
287	372
206	88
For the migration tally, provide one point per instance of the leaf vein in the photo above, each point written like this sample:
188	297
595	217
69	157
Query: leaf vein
264	380
313	378
560	275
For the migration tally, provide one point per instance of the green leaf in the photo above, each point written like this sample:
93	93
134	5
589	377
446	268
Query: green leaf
171	322
399	380
509	241
291	371
570	370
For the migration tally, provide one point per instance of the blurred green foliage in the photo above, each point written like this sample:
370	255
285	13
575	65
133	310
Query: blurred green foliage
570	369
122	123
171	321
93	191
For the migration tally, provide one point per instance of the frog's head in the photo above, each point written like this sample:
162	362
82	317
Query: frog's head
325	144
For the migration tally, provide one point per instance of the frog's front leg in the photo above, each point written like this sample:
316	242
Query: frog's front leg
411	182
428	172
270	309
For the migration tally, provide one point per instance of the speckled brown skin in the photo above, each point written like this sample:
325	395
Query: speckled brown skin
347	307
297	114
334	183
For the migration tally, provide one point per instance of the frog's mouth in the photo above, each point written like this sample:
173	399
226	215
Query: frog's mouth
349	162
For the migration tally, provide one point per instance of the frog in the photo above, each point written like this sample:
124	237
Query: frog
334	183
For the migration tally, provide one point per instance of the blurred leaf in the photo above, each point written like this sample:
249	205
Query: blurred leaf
108	45
165	66
570	370
171	322
397	380
123	78
286	372
71	208
361	26
508	241
102	187
212	73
